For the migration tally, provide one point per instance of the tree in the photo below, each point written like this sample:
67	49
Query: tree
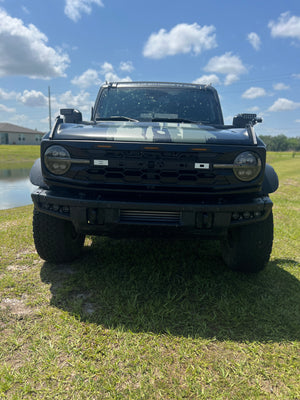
281	143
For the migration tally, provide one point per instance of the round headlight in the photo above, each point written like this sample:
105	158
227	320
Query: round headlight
57	160
247	166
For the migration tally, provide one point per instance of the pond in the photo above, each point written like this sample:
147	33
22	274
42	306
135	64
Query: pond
15	188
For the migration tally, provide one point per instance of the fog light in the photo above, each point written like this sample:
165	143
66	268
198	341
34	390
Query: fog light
246	214
235	216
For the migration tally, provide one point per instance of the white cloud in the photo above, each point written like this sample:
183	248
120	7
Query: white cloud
4	95
89	78
33	98
254	93
208	79
287	26
70	100
25	10
284	105
280	86
254	40
45	120
7	109
126	66
92	77
227	64
75	8
110	75
24	52
81	101
113	77
20	119
254	109
230	79
106	68
181	39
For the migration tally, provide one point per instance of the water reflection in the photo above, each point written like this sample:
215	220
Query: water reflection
15	188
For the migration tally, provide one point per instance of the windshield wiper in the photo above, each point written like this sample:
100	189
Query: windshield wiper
183	120
117	118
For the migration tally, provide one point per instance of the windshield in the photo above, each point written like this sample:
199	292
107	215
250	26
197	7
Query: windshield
158	104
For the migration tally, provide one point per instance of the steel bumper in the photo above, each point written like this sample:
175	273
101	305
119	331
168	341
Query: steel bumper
99	216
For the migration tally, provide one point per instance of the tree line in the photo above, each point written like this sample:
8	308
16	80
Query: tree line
281	143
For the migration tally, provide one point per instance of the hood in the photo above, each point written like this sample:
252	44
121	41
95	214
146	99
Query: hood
158	132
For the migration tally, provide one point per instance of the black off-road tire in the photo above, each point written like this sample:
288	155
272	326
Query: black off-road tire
55	239
248	248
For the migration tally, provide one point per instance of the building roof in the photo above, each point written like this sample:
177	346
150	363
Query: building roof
6	127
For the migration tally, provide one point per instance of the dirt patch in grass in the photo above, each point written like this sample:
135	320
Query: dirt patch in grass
16	306
291	182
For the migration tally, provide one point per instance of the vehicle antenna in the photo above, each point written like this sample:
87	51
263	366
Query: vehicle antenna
49	102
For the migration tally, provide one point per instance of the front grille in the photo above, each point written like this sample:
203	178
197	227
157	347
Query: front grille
144	176
150	217
148	167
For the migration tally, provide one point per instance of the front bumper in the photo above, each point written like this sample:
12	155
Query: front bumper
103	216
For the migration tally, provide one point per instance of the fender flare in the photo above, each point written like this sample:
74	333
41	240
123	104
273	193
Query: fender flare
36	176
271	181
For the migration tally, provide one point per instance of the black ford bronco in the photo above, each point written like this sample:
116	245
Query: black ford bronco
154	156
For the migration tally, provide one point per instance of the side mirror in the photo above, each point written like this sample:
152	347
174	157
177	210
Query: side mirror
71	116
243	120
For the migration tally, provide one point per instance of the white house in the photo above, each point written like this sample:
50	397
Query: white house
14	134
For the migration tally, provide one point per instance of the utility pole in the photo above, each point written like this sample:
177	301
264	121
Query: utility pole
49	102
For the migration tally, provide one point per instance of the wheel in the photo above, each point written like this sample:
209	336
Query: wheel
55	239
248	248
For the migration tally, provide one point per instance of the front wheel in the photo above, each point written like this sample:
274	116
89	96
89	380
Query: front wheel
55	239
248	248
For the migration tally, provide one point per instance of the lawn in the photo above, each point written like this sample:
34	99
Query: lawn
152	318
16	156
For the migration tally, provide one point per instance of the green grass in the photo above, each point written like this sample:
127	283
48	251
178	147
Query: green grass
151	318
16	156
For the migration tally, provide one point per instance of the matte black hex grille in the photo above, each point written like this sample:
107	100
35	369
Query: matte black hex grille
154	167
119	175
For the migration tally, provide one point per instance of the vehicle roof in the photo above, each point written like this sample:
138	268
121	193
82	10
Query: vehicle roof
159	84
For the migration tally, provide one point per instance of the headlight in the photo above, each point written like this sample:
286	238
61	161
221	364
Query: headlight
57	160
247	166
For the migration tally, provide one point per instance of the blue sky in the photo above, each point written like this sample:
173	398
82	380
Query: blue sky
248	50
